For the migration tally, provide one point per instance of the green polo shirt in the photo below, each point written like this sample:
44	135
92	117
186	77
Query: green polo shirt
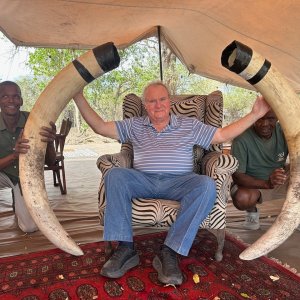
7	143
259	157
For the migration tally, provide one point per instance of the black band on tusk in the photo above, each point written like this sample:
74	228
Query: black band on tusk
83	71
107	56
242	59
261	73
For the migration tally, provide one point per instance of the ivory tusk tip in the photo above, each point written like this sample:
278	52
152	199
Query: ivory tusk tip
245	255
76	251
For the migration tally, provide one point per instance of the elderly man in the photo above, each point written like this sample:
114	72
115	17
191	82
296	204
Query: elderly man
262	174
163	167
12	122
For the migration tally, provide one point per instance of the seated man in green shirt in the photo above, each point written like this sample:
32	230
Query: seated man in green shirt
262	174
12	122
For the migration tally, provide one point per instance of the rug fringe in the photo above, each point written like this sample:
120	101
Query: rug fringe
285	265
278	261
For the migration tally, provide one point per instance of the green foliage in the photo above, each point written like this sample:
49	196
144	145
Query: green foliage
46	63
237	103
30	91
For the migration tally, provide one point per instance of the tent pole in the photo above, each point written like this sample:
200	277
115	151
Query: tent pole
160	55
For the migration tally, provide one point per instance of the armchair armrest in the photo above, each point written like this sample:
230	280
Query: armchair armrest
220	167
216	163
122	159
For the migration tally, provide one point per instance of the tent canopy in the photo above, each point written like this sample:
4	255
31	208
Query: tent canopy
196	31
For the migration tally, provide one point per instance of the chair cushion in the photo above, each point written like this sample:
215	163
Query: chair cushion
191	106
214	109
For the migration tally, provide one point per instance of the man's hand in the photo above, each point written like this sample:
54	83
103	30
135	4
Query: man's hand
277	177
260	107
48	133
21	146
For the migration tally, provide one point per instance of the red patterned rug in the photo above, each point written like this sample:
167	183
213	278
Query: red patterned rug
54	274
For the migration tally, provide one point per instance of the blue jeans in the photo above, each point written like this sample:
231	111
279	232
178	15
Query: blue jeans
196	194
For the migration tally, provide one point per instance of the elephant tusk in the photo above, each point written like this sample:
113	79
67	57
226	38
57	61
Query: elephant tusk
259	72
48	107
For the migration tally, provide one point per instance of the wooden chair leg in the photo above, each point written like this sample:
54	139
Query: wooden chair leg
13	200
60	179
57	172
64	185
58	169
55	183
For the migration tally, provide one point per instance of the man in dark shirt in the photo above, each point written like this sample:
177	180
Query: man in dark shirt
12	122
262	174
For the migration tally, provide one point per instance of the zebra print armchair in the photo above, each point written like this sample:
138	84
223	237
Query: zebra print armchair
162	213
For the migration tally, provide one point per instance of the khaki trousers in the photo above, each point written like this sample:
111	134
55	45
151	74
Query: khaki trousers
25	221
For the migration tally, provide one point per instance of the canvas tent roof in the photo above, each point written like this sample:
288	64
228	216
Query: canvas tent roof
197	31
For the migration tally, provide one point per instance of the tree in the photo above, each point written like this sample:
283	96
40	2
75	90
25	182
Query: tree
30	91
237	103
45	64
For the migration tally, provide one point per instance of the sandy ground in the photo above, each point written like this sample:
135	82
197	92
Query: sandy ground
91	150
88	144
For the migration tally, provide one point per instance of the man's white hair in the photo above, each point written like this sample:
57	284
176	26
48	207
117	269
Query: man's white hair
154	83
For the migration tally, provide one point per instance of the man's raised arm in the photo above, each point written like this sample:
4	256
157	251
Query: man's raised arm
259	109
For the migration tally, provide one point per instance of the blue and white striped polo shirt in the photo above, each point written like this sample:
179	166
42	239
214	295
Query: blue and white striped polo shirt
168	151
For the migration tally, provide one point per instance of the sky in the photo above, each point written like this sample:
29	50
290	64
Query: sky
12	60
